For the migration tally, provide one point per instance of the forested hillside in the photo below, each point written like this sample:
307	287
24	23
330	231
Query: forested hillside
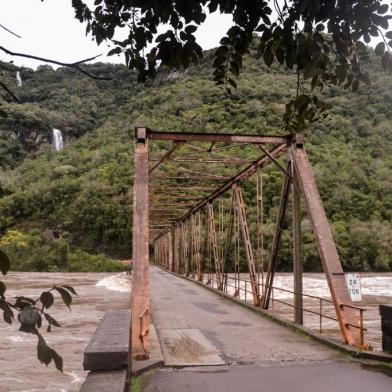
60	208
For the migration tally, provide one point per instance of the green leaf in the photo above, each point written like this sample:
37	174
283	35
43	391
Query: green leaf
47	299
71	289
380	49
58	361
5	263
218	61
44	353
51	320
2	289
114	51
268	56
221	51
8	315
190	29
65	295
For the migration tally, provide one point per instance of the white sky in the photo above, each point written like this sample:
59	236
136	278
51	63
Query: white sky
49	29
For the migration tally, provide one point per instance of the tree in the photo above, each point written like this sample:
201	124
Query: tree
320	40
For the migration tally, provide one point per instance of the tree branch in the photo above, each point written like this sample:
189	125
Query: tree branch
10	92
75	65
11	32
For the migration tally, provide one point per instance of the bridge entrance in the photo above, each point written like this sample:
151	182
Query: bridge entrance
202	208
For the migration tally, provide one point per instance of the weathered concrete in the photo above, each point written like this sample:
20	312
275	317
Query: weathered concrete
259	354
312	377
188	347
104	381
109	347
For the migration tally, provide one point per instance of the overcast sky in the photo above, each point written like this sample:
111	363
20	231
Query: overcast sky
49	29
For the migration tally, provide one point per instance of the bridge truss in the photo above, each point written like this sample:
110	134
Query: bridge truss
189	213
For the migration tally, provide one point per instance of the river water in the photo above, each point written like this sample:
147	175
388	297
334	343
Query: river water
99	292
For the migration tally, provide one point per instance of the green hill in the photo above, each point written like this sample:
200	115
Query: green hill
59	209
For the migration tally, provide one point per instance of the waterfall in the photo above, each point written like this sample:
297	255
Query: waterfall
19	82
58	139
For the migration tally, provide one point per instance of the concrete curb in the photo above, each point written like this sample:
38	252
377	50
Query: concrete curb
328	341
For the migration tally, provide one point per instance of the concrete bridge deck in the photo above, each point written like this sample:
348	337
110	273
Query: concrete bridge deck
258	354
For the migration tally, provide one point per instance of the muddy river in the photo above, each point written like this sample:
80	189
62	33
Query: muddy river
97	293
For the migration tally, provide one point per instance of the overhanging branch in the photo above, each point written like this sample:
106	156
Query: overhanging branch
75	65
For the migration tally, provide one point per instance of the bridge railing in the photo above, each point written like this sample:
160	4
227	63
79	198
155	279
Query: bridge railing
242	286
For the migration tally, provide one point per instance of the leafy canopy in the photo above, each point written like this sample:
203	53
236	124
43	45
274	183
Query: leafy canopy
321	40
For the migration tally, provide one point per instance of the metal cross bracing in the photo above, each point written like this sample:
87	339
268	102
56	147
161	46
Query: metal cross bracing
189	190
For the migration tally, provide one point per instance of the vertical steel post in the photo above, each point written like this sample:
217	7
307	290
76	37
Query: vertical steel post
169	242
214	246
297	252
140	339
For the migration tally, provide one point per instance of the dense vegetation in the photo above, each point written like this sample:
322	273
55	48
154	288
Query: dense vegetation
58	208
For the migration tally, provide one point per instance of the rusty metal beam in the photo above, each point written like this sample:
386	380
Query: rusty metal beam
297	252
248	171
219	137
140	337
214	246
247	243
207	161
176	144
276	239
266	152
204	176
326	247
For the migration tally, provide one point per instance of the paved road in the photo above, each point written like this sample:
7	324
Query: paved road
259	354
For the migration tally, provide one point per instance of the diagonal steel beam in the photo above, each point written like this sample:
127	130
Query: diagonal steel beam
248	171
326	247
277	237
176	144
247	244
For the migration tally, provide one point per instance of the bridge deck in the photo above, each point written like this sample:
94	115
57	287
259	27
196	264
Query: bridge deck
258	354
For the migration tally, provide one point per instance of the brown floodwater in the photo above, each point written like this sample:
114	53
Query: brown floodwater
20	370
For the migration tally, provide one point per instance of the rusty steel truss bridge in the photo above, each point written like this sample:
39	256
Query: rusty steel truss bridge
190	217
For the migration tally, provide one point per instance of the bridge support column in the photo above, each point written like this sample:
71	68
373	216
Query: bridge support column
140	339
297	252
